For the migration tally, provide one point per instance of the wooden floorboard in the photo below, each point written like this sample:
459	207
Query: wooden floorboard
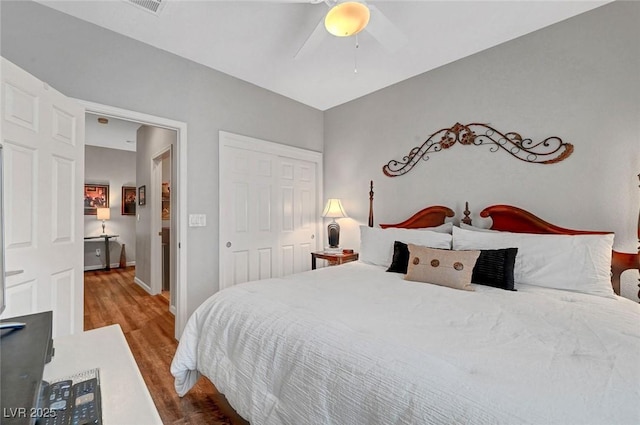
113	298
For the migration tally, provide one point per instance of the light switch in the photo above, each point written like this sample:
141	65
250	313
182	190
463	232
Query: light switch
197	220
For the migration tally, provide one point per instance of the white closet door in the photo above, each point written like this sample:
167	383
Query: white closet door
298	211
43	142
269	216
249	232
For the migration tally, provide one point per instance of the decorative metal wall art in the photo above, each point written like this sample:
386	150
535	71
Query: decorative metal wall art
548	151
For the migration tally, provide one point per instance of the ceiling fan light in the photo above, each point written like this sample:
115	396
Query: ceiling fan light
347	19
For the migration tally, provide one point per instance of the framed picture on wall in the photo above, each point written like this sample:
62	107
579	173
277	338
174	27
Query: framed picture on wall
128	200
142	199
95	196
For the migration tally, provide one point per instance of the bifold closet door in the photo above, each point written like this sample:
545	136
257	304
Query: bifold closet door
268	214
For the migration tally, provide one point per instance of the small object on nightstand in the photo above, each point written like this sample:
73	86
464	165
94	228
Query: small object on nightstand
334	210
347	251
334	258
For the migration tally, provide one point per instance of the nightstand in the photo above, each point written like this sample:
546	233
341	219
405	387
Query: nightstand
334	258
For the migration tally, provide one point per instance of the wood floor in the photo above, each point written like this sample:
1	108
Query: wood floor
113	297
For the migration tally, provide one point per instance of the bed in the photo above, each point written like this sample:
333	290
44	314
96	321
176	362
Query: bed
356	344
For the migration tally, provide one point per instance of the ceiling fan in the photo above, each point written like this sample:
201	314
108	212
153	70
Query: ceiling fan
356	15
348	18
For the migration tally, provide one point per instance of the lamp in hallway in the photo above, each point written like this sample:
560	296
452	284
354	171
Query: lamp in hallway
334	210
103	214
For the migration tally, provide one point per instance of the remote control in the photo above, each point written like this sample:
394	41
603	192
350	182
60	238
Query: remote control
86	403
59	403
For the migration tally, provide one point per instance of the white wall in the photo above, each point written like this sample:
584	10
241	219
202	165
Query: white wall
87	62
116	168
579	80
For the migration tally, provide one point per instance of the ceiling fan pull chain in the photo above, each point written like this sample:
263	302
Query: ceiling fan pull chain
355	56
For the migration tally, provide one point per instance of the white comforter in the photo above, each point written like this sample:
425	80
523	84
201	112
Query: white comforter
356	345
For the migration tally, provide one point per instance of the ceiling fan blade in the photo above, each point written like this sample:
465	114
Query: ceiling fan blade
313	41
384	31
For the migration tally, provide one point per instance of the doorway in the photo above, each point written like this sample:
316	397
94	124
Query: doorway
110	164
178	201
162	249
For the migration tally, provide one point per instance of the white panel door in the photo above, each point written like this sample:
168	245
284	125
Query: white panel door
269	215
42	133
249	234
298	210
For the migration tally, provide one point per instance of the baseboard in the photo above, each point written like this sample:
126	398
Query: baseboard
142	284
172	310
113	266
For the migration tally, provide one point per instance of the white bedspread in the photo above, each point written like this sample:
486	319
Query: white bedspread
356	345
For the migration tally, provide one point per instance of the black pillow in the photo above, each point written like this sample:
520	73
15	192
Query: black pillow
494	267
400	260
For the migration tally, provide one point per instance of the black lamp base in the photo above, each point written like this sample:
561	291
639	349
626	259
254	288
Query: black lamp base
333	230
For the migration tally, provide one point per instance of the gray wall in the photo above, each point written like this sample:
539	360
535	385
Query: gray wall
579	80
150	142
116	168
90	63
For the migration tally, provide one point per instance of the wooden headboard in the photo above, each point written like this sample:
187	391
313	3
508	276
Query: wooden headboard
427	217
513	219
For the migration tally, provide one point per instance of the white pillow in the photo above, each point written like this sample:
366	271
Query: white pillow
443	228
580	263
376	244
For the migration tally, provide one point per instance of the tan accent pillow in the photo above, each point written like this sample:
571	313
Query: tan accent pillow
441	267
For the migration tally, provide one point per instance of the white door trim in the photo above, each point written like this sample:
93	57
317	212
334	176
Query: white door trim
180	157
227	139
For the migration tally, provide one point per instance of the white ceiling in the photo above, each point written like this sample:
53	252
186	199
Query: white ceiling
116	134
256	41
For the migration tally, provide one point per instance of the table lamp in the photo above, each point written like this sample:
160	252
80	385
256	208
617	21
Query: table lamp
334	210
103	214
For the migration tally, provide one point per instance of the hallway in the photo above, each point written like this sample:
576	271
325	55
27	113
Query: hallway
112	297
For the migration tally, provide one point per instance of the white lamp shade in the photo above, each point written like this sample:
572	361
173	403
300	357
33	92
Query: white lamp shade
104	213
334	209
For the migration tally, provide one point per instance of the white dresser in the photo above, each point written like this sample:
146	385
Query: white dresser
125	397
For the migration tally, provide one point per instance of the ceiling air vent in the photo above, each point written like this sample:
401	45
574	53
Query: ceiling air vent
152	6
